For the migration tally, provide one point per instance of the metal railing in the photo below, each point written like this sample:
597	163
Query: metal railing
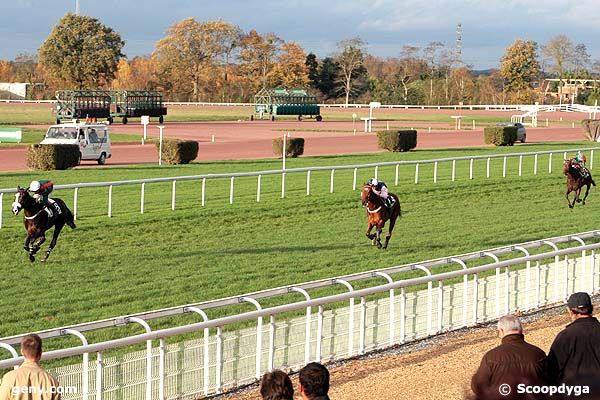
308	170
463	297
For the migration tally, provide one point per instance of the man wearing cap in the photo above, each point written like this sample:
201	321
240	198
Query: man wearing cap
574	357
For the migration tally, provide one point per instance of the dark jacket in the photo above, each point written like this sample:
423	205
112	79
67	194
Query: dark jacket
513	362
575	354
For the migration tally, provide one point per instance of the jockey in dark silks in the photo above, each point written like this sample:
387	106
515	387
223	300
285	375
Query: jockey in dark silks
381	190
578	162
41	192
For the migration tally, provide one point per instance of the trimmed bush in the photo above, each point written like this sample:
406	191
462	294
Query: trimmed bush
52	156
397	140
591	128
176	151
295	147
500	135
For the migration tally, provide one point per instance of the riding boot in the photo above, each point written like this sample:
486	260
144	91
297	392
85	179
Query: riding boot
48	209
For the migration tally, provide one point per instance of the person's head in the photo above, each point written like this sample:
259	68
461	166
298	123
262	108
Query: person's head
509	325
314	380
276	385
374	181
34	186
31	347
580	305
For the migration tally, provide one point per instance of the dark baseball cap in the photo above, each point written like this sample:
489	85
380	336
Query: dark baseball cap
579	300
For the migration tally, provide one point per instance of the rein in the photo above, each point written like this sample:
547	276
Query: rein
373	211
34	216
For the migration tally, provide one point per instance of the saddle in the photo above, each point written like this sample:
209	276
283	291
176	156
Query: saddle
53	209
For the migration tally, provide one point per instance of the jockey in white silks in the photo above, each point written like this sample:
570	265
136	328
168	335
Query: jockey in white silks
380	189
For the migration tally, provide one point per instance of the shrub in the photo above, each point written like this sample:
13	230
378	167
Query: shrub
591	128
52	156
295	147
397	140
178	151
500	135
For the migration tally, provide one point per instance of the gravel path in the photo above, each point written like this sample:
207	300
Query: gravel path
438	368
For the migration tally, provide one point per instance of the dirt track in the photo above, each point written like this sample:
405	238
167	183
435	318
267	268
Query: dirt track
440	371
252	140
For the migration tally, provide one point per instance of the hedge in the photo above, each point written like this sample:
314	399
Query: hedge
52	156
591	128
500	135
397	140
176	151
295	147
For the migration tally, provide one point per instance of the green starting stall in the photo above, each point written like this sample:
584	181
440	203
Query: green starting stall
136	103
280	101
82	104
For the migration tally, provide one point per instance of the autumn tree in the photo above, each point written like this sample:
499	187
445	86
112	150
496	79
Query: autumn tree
520	68
257	56
81	51
6	71
189	55
290	69
137	74
350	60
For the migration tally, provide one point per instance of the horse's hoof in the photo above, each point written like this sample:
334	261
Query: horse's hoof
379	246
31	258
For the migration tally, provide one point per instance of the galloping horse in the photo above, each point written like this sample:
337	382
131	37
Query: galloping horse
575	181
378	214
37	221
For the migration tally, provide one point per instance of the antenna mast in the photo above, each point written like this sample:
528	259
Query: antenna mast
458	44
76	7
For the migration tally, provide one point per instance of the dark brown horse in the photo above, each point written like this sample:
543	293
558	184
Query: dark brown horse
378	214
37	221
575	181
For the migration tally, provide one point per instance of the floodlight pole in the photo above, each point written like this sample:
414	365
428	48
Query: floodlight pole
76	7
160	144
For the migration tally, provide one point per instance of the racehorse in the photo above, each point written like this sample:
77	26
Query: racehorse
378	214
37	221
575	181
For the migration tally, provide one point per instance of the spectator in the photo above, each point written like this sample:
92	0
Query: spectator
513	362
574	356
276	385
314	382
30	377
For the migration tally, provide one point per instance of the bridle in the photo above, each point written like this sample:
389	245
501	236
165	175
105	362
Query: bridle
366	202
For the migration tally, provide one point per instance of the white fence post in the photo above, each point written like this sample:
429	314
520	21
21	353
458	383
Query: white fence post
99	369
535	163
471	169
271	342
258	189
308	183
203	190
282	185
362	325
142	196
453	170
487	168
331	183
231	191
397	175
550	163
219	360
110	190
475	297
435	170
377	172
319	355
504	167
75	201
520	164
417	173
1	201
354	179
161	368
173	195
592	159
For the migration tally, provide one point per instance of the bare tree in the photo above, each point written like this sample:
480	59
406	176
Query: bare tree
561	51
433	54
350	59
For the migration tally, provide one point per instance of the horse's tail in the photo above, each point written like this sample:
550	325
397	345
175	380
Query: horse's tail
69	217
593	183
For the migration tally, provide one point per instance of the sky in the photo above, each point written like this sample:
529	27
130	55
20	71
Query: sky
488	26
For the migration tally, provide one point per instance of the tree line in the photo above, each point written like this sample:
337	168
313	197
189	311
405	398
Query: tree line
216	61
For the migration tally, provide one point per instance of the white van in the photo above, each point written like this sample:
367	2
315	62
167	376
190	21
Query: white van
93	139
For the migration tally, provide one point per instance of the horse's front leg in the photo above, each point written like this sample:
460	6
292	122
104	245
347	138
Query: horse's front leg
57	230
27	241
569	201
370	236
379	229
577	194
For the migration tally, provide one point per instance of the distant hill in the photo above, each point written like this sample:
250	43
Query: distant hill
485	72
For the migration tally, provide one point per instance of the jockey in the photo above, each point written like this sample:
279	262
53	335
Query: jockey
578	162
41	190
381	190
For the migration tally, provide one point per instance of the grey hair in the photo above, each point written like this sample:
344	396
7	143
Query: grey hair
510	323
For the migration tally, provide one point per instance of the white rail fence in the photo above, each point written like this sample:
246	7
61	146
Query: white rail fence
450	295
332	170
498	107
